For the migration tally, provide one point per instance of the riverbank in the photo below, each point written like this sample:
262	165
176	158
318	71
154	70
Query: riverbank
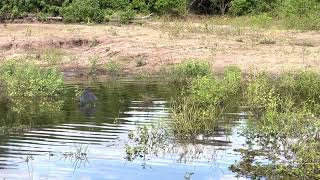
151	47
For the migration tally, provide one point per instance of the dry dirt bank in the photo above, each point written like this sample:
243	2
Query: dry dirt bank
161	44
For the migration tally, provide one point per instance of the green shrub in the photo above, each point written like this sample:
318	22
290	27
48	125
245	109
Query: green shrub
308	86
302	14
31	90
232	81
213	91
245	7
127	15
19	8
207	90
83	10
175	7
116	5
186	71
30	80
142	5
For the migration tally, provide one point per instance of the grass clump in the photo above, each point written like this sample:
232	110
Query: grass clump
267	41
185	72
113	67
52	56
204	102
192	118
141	62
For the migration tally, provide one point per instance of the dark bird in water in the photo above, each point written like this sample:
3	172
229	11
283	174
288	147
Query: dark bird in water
87	98
87	103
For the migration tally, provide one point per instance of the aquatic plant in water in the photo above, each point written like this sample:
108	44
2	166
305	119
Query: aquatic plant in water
204	101
286	128
146	140
284	123
31	91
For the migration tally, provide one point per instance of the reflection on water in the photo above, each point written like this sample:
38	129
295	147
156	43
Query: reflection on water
79	143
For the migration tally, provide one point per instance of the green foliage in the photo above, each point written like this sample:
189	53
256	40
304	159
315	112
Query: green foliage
127	15
185	72
207	90
142	5
245	7
19	8
31	91
114	5
29	80
83	10
213	91
146	140
191	119
259	90
175	7
302	14
204	102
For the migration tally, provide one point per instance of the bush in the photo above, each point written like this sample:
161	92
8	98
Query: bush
116	5
188	70
174	7
31	90
245	7
27	80
126	16
207	90
260	91
83	10
18	8
191	119
213	91
142	5
302	14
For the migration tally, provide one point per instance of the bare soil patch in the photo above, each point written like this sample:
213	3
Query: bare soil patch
162	44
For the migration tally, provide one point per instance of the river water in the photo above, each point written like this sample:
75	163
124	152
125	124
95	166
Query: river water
90	143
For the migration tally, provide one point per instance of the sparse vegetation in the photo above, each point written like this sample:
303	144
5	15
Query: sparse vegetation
93	70
141	62
52	56
113	67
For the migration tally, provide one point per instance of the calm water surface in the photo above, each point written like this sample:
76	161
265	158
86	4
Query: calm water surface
101	132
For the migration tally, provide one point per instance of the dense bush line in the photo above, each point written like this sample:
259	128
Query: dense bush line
301	14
